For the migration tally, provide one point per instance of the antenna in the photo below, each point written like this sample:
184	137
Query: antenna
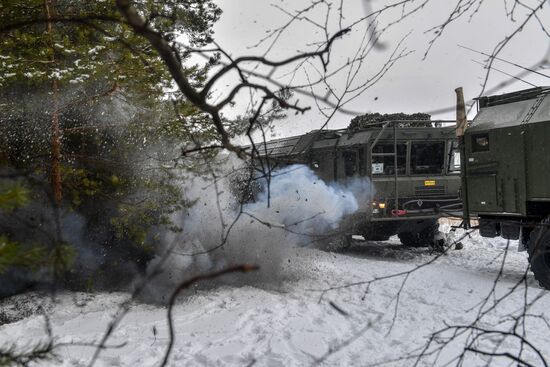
505	73
506	61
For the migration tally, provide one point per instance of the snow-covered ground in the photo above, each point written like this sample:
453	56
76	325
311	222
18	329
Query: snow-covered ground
287	323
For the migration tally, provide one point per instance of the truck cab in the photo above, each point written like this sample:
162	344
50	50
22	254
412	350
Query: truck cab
413	173
410	189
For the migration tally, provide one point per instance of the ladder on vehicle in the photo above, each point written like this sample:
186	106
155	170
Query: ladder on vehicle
392	154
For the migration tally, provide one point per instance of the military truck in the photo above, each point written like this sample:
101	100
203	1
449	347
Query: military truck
507	172
414	171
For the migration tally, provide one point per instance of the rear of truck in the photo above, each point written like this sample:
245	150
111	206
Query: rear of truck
507	172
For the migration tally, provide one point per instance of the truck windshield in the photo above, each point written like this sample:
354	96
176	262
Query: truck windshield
427	158
383	159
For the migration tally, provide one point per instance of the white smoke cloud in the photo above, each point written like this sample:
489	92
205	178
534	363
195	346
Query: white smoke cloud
217	232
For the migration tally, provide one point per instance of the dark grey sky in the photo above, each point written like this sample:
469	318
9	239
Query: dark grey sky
412	84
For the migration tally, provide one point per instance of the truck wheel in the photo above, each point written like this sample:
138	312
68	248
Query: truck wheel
378	231
410	239
421	238
539	253
376	236
335	243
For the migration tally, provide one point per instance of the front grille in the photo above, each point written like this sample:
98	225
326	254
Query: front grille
421	191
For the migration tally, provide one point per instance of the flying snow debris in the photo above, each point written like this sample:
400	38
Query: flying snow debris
217	232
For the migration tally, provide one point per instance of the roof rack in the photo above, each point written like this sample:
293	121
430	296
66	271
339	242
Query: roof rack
293	145
381	123
297	145
522	95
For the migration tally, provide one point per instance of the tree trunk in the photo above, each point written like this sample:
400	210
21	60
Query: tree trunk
55	129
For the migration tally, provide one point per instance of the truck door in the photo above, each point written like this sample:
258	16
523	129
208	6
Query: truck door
353	163
350	163
511	173
481	171
495	170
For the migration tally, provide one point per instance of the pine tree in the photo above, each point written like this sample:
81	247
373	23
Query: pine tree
83	111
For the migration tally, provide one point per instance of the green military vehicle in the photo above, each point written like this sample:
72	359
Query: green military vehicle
507	172
414	171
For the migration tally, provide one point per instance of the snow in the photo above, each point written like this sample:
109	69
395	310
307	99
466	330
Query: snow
240	321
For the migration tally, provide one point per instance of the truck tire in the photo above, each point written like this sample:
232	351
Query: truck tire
335	243
378	231
539	253
421	238
410	239
376	236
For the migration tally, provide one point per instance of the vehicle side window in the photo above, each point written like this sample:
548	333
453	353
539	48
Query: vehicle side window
362	161
454	157
480	142
350	163
427	158
383	159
